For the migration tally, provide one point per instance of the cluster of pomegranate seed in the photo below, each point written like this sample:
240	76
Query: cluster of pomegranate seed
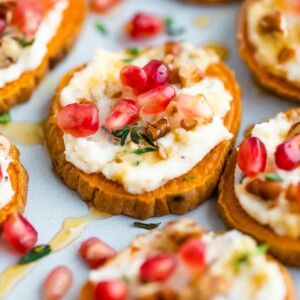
144	25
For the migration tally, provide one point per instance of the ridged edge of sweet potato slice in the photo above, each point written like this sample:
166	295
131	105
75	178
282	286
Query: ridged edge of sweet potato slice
247	51
176	196
286	249
19	180
20	90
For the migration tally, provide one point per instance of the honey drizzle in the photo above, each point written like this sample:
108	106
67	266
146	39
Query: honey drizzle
70	230
201	22
219	49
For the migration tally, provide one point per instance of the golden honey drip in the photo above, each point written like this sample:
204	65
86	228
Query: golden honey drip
201	21
70	230
24	133
220	49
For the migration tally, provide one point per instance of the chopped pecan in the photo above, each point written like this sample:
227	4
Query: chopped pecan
158	129
189	75
286	54
9	52
188	124
273	22
162	152
113	90
173	48
293	196
295	129
267	190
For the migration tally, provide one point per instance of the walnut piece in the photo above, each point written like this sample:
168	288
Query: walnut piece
173	48
295	129
9	52
267	190
189	75
157	129
188	124
286	54
113	90
273	23
162	152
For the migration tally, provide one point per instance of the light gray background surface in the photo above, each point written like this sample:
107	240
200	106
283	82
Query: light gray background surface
49	201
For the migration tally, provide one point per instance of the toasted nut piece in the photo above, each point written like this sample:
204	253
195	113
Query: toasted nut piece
84	101
295	128
155	293
173	48
273	23
113	90
267	190
119	160
162	152
9	52
286	54
158	129
188	124
291	193
189	75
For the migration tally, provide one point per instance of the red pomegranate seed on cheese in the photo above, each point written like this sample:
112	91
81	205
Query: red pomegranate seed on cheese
102	6
156	100
134	77
19	233
252	156
123	113
80	120
95	252
287	155
28	16
194	107
158	268
57	283
111	290
192	254
157	73
144	26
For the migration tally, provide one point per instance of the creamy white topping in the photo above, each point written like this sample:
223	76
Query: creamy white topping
268	46
279	217
143	173
256	279
31	56
6	190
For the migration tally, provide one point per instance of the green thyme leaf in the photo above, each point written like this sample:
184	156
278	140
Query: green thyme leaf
124	136
175	31
134	51
144	150
101	28
36	253
169	21
125	278
187	178
135	135
273	177
5	118
262	249
24	42
148	140
147	226
127	60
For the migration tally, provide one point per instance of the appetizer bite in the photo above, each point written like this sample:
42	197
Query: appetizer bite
268	38
260	188
144	132
34	36
184	261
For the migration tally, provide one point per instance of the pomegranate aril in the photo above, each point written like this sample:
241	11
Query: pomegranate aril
156	100
79	120
95	252
192	254
111	290
101	6
19	233
287	155
134	77
158	268
157	73
145	25
2	25
194	107
123	113
57	283
252	156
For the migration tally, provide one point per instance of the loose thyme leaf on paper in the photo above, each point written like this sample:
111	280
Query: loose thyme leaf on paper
34	254
101	28
147	226
5	118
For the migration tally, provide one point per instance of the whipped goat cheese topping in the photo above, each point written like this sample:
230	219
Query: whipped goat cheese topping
257	279
279	217
143	173
268	46
6	190
31	56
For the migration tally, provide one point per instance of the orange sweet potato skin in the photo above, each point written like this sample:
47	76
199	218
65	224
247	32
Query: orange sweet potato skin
247	51
19	180
284	248
177	196
20	90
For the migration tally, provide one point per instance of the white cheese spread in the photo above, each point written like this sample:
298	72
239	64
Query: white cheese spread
6	190
268	46
143	173
279	217
256	279
31	56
